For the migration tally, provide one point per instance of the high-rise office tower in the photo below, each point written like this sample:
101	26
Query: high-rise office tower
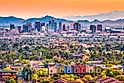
52	26
19	29
29	25
77	26
64	27
60	25
99	27
25	28
93	28
12	26
38	26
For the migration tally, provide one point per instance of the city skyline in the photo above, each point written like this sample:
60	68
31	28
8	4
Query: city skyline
57	8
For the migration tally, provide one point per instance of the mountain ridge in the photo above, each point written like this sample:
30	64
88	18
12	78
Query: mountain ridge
19	21
102	16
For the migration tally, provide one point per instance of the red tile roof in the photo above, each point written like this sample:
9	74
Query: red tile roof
108	80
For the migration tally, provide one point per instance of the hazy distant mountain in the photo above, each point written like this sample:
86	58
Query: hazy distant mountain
102	16
107	18
85	21
5	21
42	19
45	19
10	19
30	20
74	18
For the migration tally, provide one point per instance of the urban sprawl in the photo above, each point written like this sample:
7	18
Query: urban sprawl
59	52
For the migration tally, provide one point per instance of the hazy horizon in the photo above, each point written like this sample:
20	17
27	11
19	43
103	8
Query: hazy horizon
58	8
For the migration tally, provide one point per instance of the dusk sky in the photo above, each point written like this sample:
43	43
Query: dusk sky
58	8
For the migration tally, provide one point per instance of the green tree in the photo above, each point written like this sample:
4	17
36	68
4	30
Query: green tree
10	80
120	77
88	77
35	78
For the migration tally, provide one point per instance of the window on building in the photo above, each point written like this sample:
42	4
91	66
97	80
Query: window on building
61	71
76	70
90	70
51	71
98	70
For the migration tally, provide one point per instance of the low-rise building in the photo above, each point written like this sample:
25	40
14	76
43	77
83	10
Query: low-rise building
98	69
79	69
52	69
67	69
7	74
90	69
107	80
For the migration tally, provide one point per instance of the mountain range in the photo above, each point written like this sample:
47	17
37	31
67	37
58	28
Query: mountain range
5	21
112	17
102	16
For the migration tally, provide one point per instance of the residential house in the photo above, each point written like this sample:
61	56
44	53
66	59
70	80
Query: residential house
64	81
90	68
67	69
34	64
101	65
17	67
117	67
44	67
59	81
94	62
107	80
98	69
6	74
79	69
8	65
52	69
61	69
